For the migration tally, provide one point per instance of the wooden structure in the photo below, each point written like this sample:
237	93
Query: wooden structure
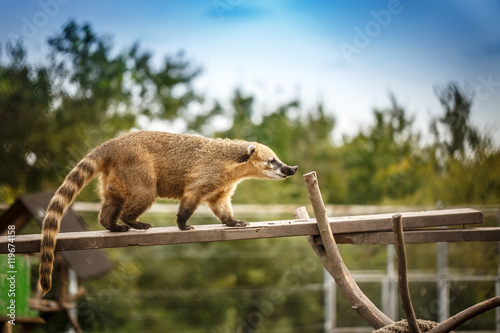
322	232
327	251
87	264
365	229
84	264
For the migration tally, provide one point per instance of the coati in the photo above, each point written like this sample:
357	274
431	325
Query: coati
140	166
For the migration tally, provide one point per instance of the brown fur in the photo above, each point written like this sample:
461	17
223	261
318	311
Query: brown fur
141	166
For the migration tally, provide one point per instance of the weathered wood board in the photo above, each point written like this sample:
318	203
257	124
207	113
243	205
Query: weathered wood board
422	236
365	229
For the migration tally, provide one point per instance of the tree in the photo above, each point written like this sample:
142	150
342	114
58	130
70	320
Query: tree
165	93
381	162
464	161
461	133
81	96
25	97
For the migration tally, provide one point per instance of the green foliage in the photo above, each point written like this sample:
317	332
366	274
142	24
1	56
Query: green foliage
25	96
460	164
457	106
381	163
83	94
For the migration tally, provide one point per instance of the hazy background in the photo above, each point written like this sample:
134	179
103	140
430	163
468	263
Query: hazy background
347	54
391	102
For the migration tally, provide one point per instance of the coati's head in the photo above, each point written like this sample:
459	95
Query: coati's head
266	165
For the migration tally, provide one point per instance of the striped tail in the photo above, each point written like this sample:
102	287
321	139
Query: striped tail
75	181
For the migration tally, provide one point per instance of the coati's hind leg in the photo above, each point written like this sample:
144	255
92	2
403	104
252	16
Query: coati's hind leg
135	207
222	209
110	212
138	224
113	194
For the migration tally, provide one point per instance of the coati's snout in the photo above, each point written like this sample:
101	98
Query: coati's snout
284	171
267	164
288	170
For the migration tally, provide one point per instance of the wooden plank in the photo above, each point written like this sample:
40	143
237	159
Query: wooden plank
423	236
213	233
411	220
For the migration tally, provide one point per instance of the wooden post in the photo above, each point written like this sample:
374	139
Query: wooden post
72	309
330	257
330	302
404	288
390	286
443	284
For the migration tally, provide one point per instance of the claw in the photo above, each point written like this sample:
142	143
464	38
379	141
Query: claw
236	223
241	224
187	227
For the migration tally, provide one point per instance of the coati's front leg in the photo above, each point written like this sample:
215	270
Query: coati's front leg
187	206
222	209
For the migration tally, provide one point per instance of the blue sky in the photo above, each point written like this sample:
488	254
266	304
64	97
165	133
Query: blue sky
348	54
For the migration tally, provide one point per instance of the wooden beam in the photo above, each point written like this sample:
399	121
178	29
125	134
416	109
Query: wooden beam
422	236
411	220
213	233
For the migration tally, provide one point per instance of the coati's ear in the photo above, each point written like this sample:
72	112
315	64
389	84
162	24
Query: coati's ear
251	149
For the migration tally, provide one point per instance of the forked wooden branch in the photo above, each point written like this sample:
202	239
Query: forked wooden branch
404	288
327	251
330	257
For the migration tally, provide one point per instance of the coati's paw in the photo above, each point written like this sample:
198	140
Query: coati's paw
241	224
120	228
186	227
236	223
141	225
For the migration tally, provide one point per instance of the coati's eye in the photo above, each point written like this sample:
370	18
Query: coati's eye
272	160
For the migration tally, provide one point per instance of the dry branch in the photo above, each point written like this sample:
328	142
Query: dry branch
336	267
461	317
404	288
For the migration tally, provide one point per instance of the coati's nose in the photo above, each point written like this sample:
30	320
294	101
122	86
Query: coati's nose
291	170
